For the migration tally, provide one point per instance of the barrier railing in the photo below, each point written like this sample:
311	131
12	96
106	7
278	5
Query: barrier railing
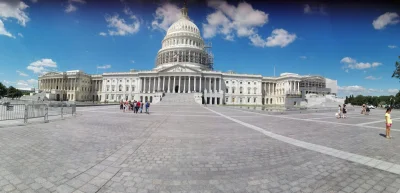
28	111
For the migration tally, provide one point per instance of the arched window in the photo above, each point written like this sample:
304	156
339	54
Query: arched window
241	90
227	90
255	90
120	88
233	90
248	90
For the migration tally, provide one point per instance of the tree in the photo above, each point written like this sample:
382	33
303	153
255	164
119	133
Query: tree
3	90
396	72
13	92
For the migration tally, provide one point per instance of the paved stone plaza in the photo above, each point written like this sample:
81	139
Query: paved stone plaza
196	149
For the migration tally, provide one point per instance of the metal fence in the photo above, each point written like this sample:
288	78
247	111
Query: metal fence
28	111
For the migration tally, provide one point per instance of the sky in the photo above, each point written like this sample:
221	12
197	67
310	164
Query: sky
356	44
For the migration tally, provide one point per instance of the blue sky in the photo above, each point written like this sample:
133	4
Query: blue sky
355	44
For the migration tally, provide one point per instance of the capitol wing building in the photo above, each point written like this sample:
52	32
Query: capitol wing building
184	68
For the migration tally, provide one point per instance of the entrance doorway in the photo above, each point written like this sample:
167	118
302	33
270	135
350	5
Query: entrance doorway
176	88
218	102
208	100
58	97
213	100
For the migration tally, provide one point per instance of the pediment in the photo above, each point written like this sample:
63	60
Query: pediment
179	68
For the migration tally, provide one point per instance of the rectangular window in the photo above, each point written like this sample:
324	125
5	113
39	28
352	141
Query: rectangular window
255	100
113	88
112	97
107	96
127	88
226	100
133	88
248	100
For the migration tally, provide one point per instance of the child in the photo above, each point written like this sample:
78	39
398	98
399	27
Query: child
388	123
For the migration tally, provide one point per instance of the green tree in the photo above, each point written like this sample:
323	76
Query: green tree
13	92
3	90
396	72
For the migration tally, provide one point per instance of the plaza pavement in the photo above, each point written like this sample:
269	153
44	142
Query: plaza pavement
197	149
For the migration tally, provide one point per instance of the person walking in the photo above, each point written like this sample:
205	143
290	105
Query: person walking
388	122
147	107
141	106
121	105
339	113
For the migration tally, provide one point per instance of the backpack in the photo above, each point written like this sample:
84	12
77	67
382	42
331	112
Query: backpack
147	104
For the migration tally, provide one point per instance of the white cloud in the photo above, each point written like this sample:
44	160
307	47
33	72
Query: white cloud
133	61
388	18
104	67
353	64
21	73
12	9
351	89
121	28
279	37
393	91
314	10
3	30
165	15
71	7
347	70
7	83
42	66
303	57
20	35
229	20
392	46
372	78
102	34
31	83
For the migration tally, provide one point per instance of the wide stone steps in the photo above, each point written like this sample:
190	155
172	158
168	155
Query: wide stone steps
178	99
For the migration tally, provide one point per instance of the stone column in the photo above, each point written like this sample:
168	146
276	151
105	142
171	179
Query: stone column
144	84
200	84
179	87
158	82
220	83
169	84
184	84
194	80
189	88
163	84
209	84
173	86
149	85
154	84
215	85
298	86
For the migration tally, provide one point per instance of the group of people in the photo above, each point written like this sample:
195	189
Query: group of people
135	106
341	112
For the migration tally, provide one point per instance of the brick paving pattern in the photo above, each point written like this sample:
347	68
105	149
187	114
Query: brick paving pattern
192	149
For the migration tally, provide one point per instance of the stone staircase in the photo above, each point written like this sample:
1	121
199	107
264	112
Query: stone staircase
178	99
35	97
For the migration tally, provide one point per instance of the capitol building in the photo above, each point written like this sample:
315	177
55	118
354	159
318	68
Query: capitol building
184	67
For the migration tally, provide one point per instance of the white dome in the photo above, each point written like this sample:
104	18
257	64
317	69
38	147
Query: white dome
183	25
184	45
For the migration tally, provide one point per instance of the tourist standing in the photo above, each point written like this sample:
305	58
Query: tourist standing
344	110
137	106
388	122
141	106
121	105
339	112
134	106
147	107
